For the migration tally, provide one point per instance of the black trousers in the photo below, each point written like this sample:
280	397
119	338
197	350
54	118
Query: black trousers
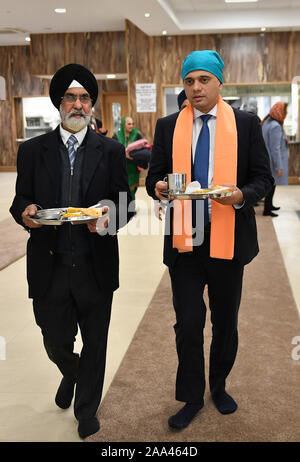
269	200
74	299
191	273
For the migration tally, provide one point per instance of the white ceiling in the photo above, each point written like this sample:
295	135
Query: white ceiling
26	17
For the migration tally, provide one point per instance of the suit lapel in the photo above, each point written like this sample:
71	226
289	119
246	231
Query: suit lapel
93	154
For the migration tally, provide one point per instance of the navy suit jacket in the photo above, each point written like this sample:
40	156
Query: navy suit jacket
254	178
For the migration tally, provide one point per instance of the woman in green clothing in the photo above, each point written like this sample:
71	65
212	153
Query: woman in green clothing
126	135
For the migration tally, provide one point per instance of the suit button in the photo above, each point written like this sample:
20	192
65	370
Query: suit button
51	252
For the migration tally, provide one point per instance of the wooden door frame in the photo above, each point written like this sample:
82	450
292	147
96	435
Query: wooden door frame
103	109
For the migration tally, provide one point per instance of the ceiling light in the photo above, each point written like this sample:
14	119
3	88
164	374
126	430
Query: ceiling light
60	10
164	32
28	39
240	1
263	29
110	76
147	15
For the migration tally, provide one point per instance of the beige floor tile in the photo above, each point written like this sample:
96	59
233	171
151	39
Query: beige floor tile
287	228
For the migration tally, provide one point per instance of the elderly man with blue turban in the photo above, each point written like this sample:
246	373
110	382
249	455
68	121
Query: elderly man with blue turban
209	241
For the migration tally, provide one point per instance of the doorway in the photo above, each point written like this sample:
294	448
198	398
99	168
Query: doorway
114	107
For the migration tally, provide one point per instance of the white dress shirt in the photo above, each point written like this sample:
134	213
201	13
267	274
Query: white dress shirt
65	135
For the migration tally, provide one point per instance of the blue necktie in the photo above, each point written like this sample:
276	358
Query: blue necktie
71	142
201	161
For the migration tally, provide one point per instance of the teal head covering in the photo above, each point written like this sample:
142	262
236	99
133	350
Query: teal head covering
206	60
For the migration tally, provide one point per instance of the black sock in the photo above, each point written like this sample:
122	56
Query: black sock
88	427
185	415
224	402
65	393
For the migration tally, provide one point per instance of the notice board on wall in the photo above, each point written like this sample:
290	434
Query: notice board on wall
145	97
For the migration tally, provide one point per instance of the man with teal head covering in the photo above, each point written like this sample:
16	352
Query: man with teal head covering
192	271
206	60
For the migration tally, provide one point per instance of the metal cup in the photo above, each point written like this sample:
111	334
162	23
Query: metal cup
176	182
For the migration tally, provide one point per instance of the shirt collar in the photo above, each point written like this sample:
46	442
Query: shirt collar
212	112
65	135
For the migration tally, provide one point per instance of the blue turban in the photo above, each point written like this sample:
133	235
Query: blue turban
206	60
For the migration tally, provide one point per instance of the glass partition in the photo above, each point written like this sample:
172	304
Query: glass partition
39	116
258	97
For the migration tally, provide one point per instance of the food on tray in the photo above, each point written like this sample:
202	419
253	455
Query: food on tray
200	191
213	188
226	188
81	212
72	214
92	212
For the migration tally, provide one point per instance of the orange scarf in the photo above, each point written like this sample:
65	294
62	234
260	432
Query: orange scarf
225	171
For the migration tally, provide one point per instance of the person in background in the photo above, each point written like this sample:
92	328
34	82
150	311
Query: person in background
182	100
128	134
96	124
213	144
250	106
277	146
72	271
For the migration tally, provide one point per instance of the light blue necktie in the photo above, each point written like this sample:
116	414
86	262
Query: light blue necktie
71	143
201	161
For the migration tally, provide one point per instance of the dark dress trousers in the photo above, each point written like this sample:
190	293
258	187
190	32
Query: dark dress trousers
71	272
190	272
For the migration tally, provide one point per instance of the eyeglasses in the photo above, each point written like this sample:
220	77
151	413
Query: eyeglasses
71	99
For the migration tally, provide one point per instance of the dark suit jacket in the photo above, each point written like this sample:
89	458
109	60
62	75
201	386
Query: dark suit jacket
104	176
253	178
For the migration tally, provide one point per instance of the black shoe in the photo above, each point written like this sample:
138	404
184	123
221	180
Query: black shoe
270	214
275	208
87	427
65	393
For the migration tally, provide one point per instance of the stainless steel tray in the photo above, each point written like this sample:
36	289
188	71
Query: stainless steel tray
210	195
53	217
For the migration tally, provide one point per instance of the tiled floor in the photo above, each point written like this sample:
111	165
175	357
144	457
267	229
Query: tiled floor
28	380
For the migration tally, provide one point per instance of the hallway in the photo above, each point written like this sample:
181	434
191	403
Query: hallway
28	381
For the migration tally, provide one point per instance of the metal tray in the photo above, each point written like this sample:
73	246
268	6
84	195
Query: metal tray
54	217
210	195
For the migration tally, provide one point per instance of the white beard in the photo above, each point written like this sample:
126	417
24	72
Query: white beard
73	123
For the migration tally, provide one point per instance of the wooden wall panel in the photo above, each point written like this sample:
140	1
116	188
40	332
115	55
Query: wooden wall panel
15	67
101	52
48	53
248	58
23	83
140	65
6	112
